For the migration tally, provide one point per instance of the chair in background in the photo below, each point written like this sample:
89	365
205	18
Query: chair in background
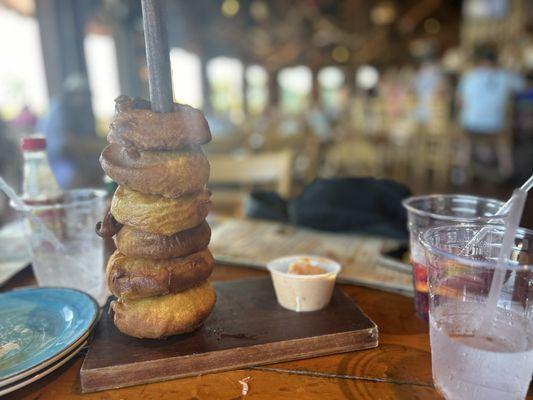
233	176
432	162
354	158
432	159
301	141
224	144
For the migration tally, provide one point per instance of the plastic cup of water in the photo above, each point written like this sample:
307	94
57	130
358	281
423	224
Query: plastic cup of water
477	352
73	257
426	212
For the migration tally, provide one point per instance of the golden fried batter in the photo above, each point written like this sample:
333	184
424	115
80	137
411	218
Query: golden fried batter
168	173
135	125
159	215
137	278
162	316
135	243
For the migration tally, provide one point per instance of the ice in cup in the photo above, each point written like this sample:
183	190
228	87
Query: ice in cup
303	283
479	353
76	259
425	212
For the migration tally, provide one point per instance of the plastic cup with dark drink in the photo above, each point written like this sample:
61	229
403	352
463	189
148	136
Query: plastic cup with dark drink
430	211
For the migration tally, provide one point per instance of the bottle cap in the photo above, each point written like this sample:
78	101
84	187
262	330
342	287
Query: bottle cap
33	143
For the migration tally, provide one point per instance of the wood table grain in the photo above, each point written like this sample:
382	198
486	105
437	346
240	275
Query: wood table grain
400	368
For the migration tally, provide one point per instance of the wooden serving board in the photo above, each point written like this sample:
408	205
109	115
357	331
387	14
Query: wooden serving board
247	328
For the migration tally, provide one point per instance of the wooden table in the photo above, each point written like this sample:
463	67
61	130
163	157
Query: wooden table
400	368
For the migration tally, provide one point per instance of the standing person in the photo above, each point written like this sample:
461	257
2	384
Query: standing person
429	82
25	122
72	144
10	167
483	96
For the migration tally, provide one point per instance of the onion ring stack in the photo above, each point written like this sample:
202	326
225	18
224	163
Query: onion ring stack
160	269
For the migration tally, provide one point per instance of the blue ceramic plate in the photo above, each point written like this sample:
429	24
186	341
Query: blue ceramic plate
42	373
38	324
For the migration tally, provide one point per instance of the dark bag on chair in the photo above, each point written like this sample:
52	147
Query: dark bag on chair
265	205
363	205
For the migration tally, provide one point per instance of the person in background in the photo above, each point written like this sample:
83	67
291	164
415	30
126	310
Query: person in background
483	97
319	123
429	82
24	123
72	145
10	170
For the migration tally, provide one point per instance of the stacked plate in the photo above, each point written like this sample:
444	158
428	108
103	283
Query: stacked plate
40	330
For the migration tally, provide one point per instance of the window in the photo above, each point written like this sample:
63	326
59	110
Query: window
225	78
257	93
102	71
295	84
367	77
186	77
22	76
331	81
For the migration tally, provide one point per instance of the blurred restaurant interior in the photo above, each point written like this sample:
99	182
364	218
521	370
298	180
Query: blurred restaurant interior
292	90
320	214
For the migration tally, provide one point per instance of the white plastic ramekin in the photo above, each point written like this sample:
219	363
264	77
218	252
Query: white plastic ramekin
303	292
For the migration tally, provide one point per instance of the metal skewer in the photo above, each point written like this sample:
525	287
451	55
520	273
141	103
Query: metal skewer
157	56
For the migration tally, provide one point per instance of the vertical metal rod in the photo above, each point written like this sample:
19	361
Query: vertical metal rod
157	56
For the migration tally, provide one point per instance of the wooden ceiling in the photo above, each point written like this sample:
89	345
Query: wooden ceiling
279	33
308	31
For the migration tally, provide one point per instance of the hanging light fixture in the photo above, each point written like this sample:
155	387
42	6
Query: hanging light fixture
259	10
230	8
432	26
340	54
384	13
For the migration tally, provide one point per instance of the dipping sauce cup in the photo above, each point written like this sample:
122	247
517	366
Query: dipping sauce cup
299	292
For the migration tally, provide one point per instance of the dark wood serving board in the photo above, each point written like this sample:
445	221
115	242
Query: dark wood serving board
247	328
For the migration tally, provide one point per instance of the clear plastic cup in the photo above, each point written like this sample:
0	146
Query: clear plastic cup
479	353
73	257
424	212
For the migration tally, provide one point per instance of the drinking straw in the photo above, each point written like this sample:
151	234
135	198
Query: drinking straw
502	211
511	226
157	56
19	204
507	206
